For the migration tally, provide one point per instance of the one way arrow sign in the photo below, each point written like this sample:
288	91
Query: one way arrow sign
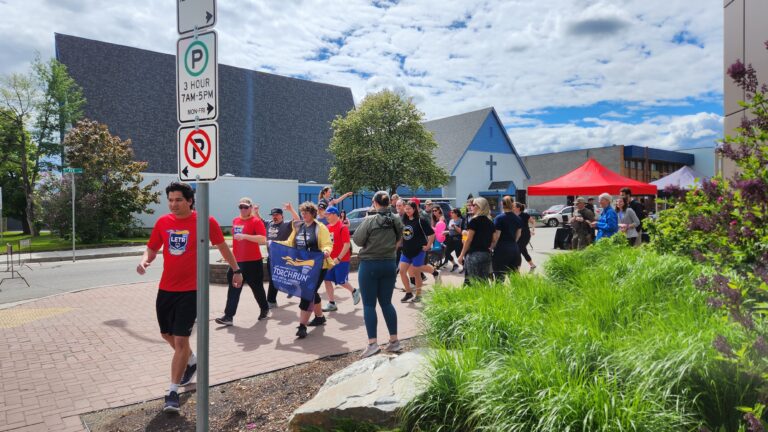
195	13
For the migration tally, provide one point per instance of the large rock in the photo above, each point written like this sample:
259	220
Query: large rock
371	390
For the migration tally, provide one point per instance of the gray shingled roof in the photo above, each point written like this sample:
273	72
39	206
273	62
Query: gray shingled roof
270	126
454	134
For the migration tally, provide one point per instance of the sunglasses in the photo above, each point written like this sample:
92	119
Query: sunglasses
244	206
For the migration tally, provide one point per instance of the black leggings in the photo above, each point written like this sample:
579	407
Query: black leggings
522	244
452	245
304	304
505	259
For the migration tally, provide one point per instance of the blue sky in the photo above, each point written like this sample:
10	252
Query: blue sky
562	74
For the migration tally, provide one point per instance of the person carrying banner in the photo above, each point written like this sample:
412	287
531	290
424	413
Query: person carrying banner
377	237
176	303
341	254
248	233
308	234
277	229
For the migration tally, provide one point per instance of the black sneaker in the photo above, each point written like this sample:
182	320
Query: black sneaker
302	333
171	403
413	281
317	321
225	321
189	373
454	268
423	278
406	298
263	314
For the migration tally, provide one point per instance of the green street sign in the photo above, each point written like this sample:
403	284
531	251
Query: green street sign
73	170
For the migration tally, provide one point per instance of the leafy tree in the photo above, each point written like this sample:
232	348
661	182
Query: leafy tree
382	145
42	102
10	170
108	191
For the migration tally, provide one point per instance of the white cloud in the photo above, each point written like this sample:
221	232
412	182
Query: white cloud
519	56
671	133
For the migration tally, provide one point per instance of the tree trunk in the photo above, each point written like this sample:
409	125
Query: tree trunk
25	228
27	182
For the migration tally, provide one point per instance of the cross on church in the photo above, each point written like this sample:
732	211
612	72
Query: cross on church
491	163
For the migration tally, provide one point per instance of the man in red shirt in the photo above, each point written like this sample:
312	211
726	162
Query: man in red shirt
248	234
341	253
176	303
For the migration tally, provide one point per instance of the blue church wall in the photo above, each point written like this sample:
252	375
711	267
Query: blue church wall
490	138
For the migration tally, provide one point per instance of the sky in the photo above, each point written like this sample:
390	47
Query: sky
562	74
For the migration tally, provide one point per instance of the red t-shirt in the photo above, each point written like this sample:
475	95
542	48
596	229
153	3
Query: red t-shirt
178	239
246	250
339	237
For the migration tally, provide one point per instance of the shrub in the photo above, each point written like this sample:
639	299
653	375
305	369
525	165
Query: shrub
614	338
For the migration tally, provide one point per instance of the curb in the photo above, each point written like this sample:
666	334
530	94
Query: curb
82	257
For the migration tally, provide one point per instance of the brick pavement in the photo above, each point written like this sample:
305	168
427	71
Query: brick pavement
66	355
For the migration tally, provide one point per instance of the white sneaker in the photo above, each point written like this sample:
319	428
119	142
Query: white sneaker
330	307
370	350
394	347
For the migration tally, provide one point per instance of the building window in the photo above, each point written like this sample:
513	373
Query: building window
654	167
626	164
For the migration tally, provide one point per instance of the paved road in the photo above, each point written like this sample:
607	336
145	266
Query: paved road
47	279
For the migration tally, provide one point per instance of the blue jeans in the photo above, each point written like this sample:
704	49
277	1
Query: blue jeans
377	281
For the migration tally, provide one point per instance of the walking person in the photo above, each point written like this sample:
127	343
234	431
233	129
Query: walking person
581	225
325	197
417	240
453	242
476	252
506	251
248	234
639	210
311	235
277	230
529	228
176	304
340	254
608	224
628	220
440	228
378	236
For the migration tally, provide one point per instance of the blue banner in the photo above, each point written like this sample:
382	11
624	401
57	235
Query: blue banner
295	271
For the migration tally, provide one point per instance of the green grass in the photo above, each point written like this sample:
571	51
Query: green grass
48	242
612	339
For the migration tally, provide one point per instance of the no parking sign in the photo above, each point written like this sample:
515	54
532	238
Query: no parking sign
198	153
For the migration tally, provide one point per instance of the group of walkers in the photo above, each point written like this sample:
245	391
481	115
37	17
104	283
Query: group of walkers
397	236
625	216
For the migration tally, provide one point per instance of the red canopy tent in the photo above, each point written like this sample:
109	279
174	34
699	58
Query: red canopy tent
591	179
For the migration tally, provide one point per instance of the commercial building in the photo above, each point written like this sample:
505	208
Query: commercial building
745	34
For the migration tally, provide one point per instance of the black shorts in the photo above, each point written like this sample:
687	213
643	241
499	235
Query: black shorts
176	312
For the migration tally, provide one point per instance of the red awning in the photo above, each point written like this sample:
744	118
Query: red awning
591	179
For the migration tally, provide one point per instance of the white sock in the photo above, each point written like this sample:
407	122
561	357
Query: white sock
173	388
192	360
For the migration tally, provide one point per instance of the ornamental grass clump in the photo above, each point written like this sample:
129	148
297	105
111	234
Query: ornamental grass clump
613	338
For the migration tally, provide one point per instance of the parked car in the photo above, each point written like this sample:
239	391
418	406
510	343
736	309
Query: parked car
561	217
535	214
552	210
356	217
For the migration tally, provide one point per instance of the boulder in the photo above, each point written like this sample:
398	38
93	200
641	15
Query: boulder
370	390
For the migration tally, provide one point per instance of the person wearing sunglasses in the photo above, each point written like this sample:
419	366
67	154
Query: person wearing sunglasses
248	233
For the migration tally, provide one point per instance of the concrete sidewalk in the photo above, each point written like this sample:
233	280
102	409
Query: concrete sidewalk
80	352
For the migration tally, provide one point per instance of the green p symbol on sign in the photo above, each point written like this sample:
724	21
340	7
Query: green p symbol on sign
196	58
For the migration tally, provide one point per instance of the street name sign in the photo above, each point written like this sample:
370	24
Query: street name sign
191	14
197	95
73	170
199	153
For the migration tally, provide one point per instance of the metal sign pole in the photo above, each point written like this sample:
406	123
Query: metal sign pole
201	203
2	225
73	216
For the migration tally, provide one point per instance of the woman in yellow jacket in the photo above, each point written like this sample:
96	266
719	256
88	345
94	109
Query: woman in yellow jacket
310	235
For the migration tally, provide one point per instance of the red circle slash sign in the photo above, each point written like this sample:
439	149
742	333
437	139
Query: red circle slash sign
203	149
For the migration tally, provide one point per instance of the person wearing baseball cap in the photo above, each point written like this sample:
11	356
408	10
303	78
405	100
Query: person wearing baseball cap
277	229
341	254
